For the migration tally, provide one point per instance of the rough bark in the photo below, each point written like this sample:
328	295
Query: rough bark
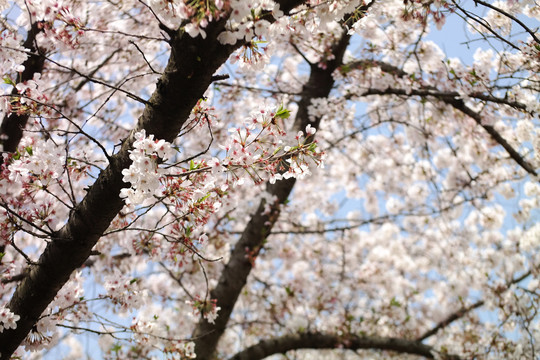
234	275
13	125
187	75
11	130
309	340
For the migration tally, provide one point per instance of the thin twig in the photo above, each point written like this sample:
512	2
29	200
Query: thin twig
510	16
144	57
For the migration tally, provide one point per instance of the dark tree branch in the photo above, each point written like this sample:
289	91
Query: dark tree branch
13	125
14	278
187	75
144	57
95	70
11	130
394	70
458	314
309	340
510	16
450	319
234	275
220	77
453	99
459	104
485	25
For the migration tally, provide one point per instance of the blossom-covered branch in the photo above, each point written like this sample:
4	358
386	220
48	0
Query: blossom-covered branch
455	100
310	340
234	276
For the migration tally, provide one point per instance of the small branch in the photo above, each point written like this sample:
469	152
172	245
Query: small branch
96	69
219	77
457	103
464	311
309	340
162	26
140	37
78	328
450	319
205	280
484	24
178	280
22	253
144	57
252	88
62	115
510	16
295	47
100	82
14	278
29	223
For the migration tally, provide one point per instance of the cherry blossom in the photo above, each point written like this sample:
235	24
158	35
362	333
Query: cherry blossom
8	319
240	179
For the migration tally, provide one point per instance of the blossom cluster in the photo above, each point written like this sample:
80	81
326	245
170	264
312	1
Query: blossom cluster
257	150
8	320
207	308
123	291
26	176
68	305
181	350
144	173
263	151
12	54
246	24
197	13
61	27
41	160
428	235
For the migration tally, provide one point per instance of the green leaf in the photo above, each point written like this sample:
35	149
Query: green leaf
344	69
203	198
394	302
282	113
7	80
289	291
